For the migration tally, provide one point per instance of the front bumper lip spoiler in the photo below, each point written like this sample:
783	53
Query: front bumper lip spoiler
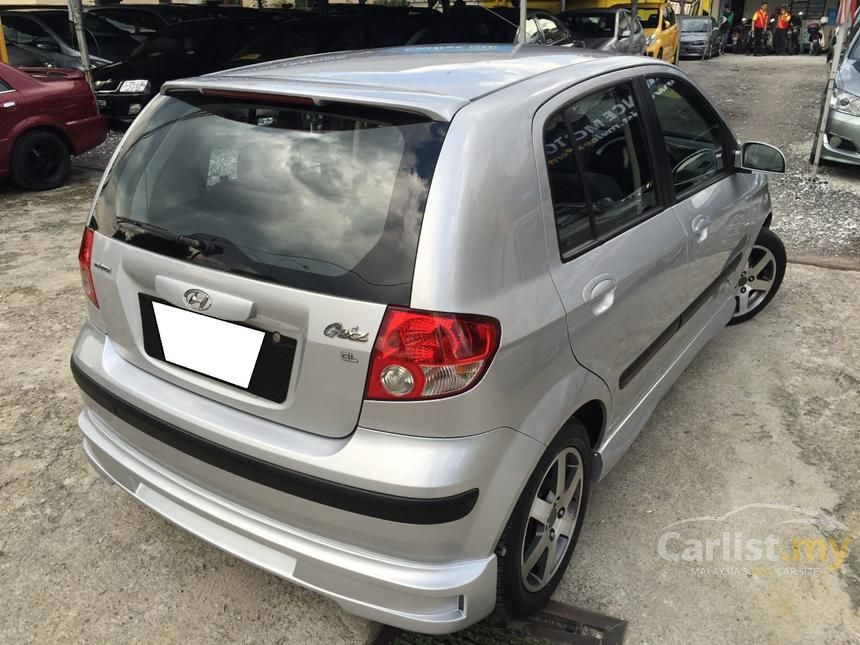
395	508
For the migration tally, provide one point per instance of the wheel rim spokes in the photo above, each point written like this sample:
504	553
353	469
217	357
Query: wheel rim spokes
44	161
552	519
756	281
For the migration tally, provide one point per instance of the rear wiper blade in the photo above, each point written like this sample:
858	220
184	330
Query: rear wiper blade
206	247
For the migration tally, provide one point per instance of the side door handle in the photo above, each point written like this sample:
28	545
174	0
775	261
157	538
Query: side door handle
600	293
700	227
9	105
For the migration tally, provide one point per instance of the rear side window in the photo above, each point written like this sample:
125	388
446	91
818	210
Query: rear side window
599	171
327	200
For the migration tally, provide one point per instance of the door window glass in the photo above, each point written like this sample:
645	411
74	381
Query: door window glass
552	32
598	165
693	133
623	23
4	87
532	31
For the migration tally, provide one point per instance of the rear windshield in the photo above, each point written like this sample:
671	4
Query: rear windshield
326	199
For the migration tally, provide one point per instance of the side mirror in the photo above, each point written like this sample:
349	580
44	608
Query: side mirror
760	157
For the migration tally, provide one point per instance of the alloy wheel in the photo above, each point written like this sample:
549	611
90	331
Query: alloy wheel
756	281
553	517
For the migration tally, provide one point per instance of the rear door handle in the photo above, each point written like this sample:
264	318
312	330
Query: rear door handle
700	227
600	293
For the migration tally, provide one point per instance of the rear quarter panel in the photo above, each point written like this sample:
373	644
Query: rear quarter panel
483	251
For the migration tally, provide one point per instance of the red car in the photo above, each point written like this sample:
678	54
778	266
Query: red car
46	116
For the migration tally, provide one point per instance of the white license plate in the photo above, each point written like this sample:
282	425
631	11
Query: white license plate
210	346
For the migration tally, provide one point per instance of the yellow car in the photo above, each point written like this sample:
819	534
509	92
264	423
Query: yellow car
662	35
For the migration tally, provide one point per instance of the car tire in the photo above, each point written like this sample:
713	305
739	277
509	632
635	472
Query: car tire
520	594
40	160
761	277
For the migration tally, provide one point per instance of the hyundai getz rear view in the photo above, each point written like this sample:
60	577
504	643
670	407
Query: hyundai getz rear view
375	321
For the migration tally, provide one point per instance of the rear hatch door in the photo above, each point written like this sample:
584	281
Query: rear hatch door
247	247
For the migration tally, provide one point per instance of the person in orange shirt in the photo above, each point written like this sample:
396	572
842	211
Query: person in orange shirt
759	21
780	36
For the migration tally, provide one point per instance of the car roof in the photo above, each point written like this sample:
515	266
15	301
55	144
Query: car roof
436	80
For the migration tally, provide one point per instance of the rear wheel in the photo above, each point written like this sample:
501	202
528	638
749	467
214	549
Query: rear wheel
40	161
540	536
761	278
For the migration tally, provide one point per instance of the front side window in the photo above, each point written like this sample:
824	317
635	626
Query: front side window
669	16
4	87
326	200
694	135
623	23
600	176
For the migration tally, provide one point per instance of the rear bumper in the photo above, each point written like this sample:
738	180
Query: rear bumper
86	134
430	569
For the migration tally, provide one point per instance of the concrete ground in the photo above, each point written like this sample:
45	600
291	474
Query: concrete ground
762	428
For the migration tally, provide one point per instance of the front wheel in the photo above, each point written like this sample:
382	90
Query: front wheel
761	278
540	536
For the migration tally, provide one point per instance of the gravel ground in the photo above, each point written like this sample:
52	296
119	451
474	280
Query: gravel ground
767	414
777	99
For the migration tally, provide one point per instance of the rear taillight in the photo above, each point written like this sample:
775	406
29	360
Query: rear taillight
422	355
85	259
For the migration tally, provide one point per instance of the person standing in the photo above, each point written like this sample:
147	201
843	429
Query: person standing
759	24
780	36
796	24
727	19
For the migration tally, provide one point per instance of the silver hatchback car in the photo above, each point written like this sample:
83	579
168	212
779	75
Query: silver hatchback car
376	321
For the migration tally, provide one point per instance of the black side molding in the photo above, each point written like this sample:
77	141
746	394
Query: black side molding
641	361
394	508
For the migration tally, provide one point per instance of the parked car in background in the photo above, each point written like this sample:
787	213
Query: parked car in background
50	32
614	29
46	117
842	139
700	36
475	24
182	49
22	57
375	321
662	38
141	21
314	35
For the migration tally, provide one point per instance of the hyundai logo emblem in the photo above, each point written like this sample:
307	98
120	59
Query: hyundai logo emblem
197	300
